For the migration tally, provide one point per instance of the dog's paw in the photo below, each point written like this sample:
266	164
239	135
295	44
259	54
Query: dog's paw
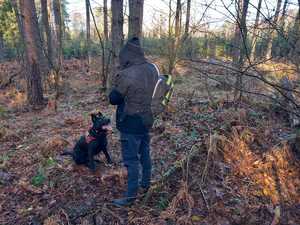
92	166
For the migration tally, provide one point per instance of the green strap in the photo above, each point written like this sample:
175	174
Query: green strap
169	94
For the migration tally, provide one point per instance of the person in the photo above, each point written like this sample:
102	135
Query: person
132	93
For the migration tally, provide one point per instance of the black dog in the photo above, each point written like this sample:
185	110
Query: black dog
88	146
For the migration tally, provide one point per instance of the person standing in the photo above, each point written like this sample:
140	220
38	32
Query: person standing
132	93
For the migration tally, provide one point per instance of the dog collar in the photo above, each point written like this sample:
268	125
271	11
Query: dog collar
89	139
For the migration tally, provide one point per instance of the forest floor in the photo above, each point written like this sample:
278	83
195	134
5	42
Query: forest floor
212	163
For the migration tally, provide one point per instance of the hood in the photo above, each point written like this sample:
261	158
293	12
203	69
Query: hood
132	53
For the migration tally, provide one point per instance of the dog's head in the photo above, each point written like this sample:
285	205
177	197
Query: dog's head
100	122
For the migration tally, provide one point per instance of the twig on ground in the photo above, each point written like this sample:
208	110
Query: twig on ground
66	216
203	196
177	165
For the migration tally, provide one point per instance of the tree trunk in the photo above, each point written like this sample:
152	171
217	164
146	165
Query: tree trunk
19	18
272	33
241	41
58	32
2	56
174	39
117	37
282	28
177	19
105	20
88	30
212	47
255	32
33	50
48	45
20	27
187	20
283	15
104	60
135	18
294	41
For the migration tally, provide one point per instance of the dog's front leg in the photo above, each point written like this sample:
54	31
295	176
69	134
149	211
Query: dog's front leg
107	156
91	163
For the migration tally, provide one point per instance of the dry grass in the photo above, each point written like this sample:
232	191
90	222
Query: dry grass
279	69
53	220
180	207
275	171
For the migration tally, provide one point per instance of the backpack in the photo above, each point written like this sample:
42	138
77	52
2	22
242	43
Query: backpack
162	92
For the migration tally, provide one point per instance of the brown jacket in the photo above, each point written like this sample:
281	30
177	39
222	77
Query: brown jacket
133	89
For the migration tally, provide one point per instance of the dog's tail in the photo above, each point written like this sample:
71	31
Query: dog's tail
67	152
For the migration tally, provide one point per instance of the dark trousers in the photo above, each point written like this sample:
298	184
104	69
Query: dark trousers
136	151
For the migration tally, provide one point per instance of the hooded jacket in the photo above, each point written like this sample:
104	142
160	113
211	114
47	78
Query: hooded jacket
132	90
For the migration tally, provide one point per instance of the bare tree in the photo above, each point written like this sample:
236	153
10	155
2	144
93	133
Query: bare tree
33	50
241	46
1	46
283	14
135	18
174	38
117	36
105	20
88	30
255	32
19	19
48	45
58	31
187	20
212	47
294	41
272	31
105	59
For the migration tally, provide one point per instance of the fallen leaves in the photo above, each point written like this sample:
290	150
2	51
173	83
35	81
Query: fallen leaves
183	201
241	177
53	145
26	186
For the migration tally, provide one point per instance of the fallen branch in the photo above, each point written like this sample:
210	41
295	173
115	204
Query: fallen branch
179	164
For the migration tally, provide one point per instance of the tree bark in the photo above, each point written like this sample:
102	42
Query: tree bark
187	20
104	59
20	26
48	45
255	32
212	47
1	47
272	33
33	50
241	41
135	18
117	37
177	19
174	39
105	20
294	41
283	15
58	32
88	31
